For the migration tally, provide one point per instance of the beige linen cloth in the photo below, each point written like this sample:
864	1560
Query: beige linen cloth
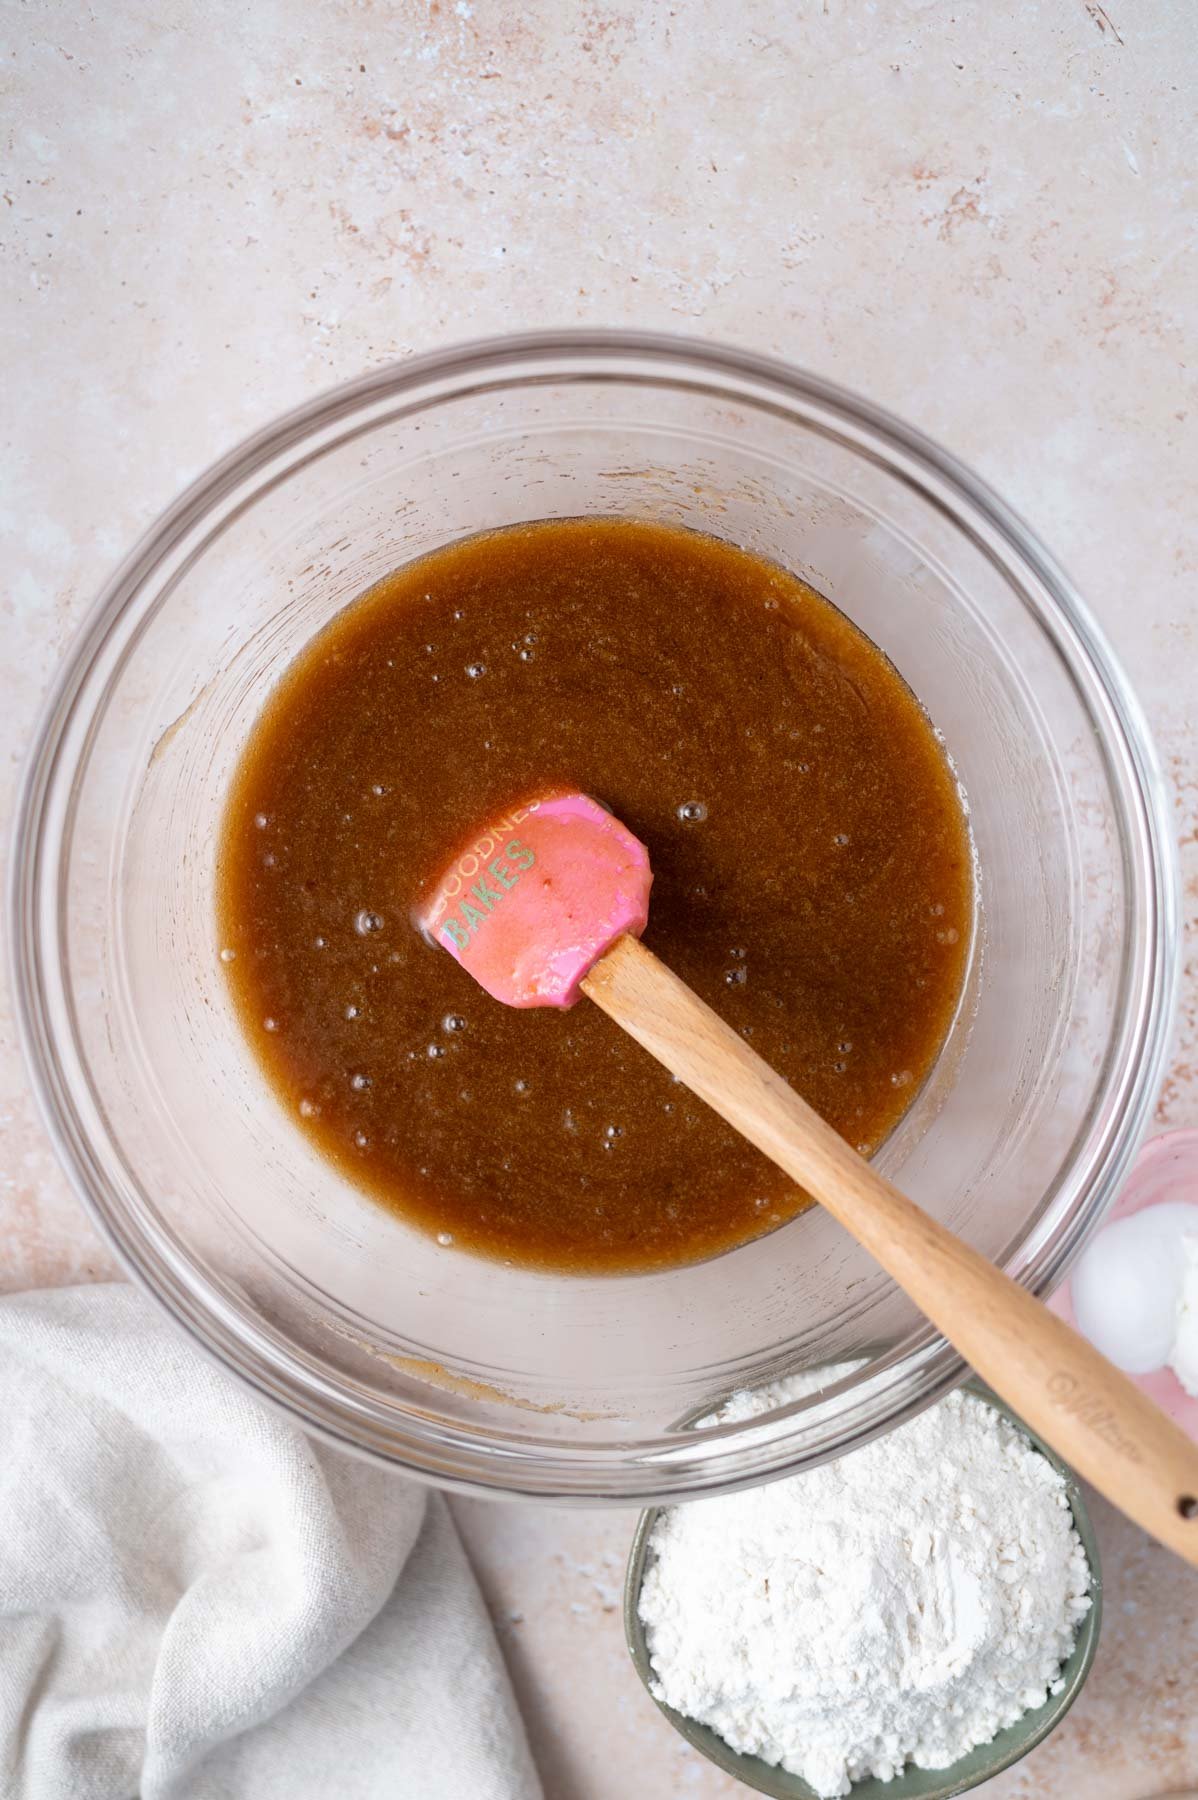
198	1601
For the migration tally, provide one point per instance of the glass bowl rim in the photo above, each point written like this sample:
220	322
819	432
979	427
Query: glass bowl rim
666	1467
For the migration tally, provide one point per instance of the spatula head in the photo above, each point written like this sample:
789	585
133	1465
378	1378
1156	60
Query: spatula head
531	903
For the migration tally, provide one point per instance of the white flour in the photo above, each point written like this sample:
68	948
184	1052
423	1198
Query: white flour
902	1604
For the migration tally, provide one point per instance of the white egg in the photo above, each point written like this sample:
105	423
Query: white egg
1183	1358
1127	1286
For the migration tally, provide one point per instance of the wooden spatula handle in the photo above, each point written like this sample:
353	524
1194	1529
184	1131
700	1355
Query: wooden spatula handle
1087	1409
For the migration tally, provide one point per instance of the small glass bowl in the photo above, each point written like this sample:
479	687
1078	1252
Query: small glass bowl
499	1379
1165	1170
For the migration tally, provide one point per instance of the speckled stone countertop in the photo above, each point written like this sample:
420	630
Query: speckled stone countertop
982	216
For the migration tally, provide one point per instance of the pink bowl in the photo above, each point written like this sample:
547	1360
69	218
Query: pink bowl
1165	1169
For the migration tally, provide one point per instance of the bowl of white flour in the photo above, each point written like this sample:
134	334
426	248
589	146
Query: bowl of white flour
901	1624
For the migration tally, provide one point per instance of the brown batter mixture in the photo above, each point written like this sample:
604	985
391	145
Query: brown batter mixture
811	862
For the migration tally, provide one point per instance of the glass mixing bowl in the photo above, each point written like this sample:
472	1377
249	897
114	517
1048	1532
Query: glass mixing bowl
463	1371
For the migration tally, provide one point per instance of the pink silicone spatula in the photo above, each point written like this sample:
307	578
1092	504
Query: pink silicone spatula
548	904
